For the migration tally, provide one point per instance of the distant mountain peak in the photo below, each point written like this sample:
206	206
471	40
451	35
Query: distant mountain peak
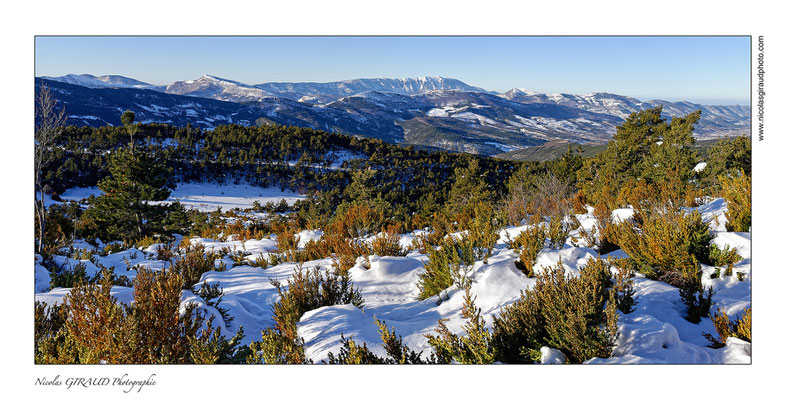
522	90
103	81
213	87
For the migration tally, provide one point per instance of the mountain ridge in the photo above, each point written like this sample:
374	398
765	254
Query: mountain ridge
429	111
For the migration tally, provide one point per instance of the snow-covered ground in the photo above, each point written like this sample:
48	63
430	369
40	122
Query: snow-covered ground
208	197
656	332
205	196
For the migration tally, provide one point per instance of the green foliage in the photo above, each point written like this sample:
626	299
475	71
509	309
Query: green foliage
645	147
362	189
124	210
309	290
561	311
209	346
569	163
448	263
63	224
482	230
194	262
665	242
474	348
726	155
452	258
725	328
397	353
353	354
387	243
306	290
127	118
668	246
213	295
736	189
557	231
145	242
50	338
528	243
723	257
112	248
625	294
176	220
70	277
696	298
396	181
674	154
696	233
277	348
469	189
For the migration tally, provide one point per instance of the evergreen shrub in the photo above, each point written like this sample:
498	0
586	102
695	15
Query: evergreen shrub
397	352
529	243
386	243
574	314
725	328
736	189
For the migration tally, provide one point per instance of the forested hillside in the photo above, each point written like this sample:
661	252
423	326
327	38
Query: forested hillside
453	258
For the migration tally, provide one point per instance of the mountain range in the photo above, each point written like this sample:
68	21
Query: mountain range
430	112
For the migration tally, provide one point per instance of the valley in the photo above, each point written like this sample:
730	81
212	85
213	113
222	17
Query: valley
439	113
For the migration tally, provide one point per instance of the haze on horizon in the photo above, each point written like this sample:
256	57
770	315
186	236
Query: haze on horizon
706	70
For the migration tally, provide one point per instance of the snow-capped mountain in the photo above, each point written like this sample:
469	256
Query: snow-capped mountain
212	87
216	88
715	120
331	91
428	112
104	81
606	103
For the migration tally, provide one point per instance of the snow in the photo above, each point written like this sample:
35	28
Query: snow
79	193
123	294
208	197
307	236
713	211
738	240
104	81
503	147
622	214
437	112
551	356
42	278
655	332
204	196
81	80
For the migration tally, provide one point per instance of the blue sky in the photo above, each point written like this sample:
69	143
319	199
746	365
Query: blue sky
707	69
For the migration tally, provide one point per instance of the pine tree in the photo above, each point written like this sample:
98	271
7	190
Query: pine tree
124	210
469	189
128	121
646	146
674	152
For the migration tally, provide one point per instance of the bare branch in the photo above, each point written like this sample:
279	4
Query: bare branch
48	125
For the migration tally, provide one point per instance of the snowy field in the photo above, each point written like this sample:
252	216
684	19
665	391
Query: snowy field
656	332
206	196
